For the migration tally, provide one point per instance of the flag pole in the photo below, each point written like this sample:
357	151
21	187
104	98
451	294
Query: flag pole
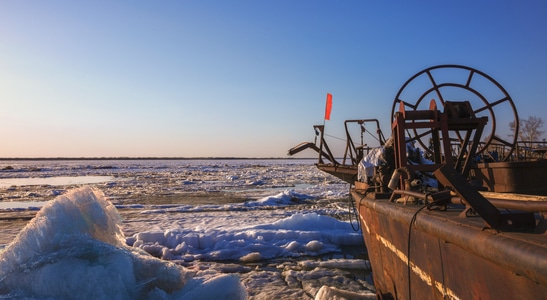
328	108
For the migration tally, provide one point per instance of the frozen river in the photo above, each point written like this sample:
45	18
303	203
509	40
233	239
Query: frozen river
275	228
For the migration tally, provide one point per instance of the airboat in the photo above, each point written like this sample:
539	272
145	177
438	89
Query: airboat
448	208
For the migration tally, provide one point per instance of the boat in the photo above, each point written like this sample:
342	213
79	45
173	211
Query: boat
448	209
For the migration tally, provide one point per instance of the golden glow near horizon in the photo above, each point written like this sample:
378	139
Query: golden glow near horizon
193	79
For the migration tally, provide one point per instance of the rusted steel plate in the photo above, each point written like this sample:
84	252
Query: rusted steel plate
345	172
524	177
450	257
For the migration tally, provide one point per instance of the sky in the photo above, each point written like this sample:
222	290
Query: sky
240	78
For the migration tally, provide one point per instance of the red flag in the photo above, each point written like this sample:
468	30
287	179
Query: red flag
328	106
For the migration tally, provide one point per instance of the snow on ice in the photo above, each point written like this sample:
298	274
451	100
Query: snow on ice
283	238
74	248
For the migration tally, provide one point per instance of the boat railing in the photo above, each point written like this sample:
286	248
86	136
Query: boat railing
355	152
524	151
531	150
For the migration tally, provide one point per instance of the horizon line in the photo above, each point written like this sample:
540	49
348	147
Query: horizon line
147	158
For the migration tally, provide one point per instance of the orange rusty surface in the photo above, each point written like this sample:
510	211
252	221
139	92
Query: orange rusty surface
450	256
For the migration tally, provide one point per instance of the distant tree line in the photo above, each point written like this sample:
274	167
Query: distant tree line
529	130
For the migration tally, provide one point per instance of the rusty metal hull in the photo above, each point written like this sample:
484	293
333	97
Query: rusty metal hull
524	177
444	256
347	173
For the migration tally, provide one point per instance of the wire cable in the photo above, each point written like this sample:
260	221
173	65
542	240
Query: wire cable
412	221
353	212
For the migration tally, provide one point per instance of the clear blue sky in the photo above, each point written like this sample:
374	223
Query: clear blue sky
239	78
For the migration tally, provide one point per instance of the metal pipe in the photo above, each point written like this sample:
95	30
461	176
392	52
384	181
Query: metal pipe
523	205
397	175
404	193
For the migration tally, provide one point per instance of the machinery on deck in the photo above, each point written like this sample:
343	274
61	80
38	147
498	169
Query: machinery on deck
433	220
